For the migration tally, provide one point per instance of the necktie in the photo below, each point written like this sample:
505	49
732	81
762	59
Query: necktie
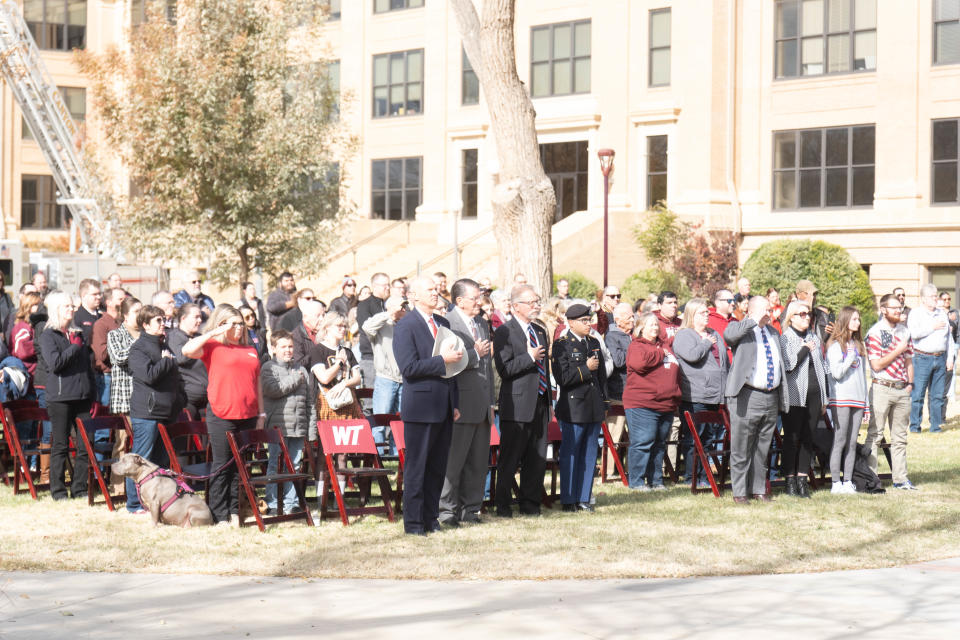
433	326
541	368
769	352
473	330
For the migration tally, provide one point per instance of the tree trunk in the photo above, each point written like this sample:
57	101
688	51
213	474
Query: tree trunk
244	264
523	200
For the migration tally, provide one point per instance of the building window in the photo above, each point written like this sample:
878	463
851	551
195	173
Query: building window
398	83
817	37
560	59
333	83
565	163
333	9
945	161
469	83
819	168
659	48
947	280
469	188
946	31
76	100
396	188
38	204
656	170
383	6
57	24
139	11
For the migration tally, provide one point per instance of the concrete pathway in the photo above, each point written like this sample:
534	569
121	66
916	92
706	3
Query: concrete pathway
916	602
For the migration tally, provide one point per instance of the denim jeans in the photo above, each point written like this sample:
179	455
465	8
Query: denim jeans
708	434
648	436
928	372
386	399
578	460
47	426
289	490
144	439
103	398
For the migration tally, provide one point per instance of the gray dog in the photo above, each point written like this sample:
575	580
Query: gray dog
156	490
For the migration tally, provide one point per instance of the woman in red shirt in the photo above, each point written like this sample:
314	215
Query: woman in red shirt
650	399
234	395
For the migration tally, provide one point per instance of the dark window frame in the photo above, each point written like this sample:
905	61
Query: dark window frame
46	186
551	60
43	32
334	8
651	49
468	77
406	6
403	189
797	169
650	174
825	36
78	118
937	23
581	170
138	12
470	207
406	83
934	162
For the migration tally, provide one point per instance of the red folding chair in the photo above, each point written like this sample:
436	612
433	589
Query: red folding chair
617	450
187	446
21	449
354	438
396	428
97	468
245	446
385	420
714	461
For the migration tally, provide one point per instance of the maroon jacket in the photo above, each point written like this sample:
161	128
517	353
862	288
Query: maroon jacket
652	382
668	328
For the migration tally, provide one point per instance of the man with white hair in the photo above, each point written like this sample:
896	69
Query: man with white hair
192	293
933	351
501	308
743	287
305	333
164	300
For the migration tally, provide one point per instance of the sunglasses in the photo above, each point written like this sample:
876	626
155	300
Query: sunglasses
802	314
613	295
195	282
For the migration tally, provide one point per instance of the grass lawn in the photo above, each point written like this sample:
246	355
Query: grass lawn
631	535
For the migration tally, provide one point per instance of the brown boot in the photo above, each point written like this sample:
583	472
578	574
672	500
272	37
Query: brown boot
44	464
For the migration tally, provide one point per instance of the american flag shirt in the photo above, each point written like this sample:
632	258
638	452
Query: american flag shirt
881	340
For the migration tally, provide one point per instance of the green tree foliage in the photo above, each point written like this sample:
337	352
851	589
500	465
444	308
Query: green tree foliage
840	280
229	136
704	261
580	285
643	283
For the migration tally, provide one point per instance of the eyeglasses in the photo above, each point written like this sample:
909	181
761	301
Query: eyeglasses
898	309
802	314
727	300
194	282
532	303
613	295
234	325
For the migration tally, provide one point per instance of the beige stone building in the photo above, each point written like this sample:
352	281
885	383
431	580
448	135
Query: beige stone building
824	119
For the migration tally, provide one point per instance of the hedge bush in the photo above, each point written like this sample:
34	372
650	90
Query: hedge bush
580	285
643	283
838	277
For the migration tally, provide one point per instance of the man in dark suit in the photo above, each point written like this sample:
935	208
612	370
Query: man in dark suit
467	464
428	407
755	396
520	354
581	405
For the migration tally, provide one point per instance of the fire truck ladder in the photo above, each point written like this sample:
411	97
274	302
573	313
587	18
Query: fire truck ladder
50	122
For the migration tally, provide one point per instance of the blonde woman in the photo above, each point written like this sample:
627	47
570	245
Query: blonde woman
806	386
552	318
847	359
334	365
234	394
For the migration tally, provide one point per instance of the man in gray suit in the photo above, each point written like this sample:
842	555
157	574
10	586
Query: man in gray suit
754	397
467	463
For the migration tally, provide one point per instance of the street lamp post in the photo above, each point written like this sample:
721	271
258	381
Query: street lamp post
606	166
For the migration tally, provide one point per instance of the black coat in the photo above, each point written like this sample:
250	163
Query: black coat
581	398
157	389
518	371
192	372
68	366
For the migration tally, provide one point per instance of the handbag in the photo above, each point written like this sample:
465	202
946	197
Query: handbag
338	396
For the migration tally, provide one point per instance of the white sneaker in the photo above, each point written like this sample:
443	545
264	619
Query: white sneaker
837	488
849	487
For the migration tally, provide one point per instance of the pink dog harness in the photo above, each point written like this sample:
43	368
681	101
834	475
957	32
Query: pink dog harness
182	487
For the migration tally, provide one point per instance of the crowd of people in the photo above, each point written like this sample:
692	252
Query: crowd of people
454	362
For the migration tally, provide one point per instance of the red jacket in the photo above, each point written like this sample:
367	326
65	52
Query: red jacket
653	377
718	322
668	328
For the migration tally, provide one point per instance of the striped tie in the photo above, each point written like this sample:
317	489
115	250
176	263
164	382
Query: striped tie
769	354
541	369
